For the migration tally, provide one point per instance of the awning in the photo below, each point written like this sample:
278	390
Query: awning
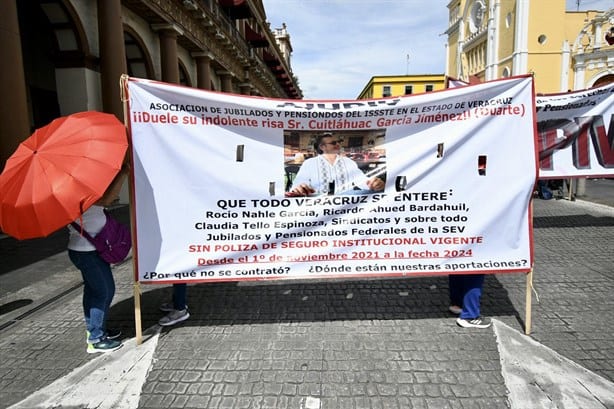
270	59
254	38
276	68
236	9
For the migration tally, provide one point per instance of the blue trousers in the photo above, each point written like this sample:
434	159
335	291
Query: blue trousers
466	291
180	295
98	291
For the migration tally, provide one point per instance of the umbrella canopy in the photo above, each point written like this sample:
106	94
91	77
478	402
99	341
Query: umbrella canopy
59	172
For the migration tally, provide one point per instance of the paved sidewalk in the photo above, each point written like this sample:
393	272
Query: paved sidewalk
327	344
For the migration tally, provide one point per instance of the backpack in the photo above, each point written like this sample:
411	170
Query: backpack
113	242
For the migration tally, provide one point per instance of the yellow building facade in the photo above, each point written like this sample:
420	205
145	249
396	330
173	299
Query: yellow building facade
396	85
564	50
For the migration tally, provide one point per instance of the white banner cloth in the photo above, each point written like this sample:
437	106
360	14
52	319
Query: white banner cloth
211	177
576	133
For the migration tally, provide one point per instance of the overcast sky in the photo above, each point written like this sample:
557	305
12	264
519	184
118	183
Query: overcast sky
338	45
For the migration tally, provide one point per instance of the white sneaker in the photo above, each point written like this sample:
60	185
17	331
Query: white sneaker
479	322
174	317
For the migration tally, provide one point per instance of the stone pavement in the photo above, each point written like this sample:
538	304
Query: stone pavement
325	344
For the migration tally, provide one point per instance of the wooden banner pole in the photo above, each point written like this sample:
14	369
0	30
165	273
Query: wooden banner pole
137	313
527	318
123	86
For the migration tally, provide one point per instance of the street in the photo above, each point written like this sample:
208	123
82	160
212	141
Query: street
331	344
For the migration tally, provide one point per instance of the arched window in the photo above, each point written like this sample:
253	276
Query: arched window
137	61
607	79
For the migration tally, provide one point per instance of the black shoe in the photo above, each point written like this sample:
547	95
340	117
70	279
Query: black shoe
114	333
104	345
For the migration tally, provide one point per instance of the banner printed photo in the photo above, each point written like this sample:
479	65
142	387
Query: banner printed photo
429	184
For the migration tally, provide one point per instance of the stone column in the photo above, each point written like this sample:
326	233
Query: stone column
245	89
168	51
112	55
203	69
14	117
226	81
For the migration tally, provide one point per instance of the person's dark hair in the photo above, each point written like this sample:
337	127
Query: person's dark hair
318	141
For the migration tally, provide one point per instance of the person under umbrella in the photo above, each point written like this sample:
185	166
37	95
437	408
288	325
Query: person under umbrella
98	281
64	172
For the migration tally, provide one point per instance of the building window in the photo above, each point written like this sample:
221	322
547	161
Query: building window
293	139
428	87
138	63
476	16
409	89
386	92
355	142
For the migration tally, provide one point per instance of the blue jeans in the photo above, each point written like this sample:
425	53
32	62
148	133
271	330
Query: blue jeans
466	292
98	291
180	295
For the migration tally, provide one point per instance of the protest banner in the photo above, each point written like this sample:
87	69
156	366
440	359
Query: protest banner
213	171
576	133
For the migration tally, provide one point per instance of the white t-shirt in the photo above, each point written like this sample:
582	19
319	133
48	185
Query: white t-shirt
94	220
317	172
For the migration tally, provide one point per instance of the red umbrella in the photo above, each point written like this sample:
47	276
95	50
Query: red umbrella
59	172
